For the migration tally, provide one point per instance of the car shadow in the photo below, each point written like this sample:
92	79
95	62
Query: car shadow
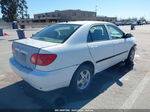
13	40
22	96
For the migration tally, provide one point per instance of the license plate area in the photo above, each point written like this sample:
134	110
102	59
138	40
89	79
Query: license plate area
21	56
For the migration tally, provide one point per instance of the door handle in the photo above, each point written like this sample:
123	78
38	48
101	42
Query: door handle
94	46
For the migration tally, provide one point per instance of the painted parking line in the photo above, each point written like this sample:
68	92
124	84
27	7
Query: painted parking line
2	76
137	56
4	53
136	93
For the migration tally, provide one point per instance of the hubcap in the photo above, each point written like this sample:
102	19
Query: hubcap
84	79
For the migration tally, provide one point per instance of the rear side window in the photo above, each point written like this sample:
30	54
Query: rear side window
57	33
98	33
115	32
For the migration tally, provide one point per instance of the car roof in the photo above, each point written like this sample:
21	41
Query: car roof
85	22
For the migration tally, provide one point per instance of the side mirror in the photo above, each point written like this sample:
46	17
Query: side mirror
128	35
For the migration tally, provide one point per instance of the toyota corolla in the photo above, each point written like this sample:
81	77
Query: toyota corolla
69	54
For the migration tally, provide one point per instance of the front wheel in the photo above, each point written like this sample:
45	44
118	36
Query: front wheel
82	78
130	59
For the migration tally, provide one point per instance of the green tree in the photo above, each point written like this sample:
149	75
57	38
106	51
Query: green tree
13	9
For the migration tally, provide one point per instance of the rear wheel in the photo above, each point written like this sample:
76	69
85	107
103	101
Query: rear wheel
82	78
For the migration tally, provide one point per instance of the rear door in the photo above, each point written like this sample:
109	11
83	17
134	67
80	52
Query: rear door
100	46
120	44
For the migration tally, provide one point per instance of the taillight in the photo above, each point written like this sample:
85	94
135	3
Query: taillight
42	59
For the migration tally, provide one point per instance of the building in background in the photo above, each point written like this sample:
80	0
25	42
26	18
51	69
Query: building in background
68	15
107	19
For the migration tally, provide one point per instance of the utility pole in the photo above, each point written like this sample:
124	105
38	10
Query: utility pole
96	9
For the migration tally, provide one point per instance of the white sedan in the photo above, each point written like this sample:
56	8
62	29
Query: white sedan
69	54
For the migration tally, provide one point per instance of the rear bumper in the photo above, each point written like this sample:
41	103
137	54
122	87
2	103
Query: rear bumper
44	81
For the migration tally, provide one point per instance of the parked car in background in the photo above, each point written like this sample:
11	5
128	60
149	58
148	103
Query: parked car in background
119	23
69	54
140	22
134	23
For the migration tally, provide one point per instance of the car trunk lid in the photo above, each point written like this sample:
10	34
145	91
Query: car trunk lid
25	48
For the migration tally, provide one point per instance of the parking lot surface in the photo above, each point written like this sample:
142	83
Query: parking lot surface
118	87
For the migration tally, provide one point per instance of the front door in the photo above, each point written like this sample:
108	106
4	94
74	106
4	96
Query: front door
120	44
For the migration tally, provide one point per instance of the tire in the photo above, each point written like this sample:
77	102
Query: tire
130	60
82	78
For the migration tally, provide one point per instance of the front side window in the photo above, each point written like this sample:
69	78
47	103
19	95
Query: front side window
115	32
57	33
98	33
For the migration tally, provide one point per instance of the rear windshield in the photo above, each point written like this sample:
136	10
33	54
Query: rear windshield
57	33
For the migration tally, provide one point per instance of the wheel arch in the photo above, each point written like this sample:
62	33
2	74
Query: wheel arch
88	63
84	63
134	46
